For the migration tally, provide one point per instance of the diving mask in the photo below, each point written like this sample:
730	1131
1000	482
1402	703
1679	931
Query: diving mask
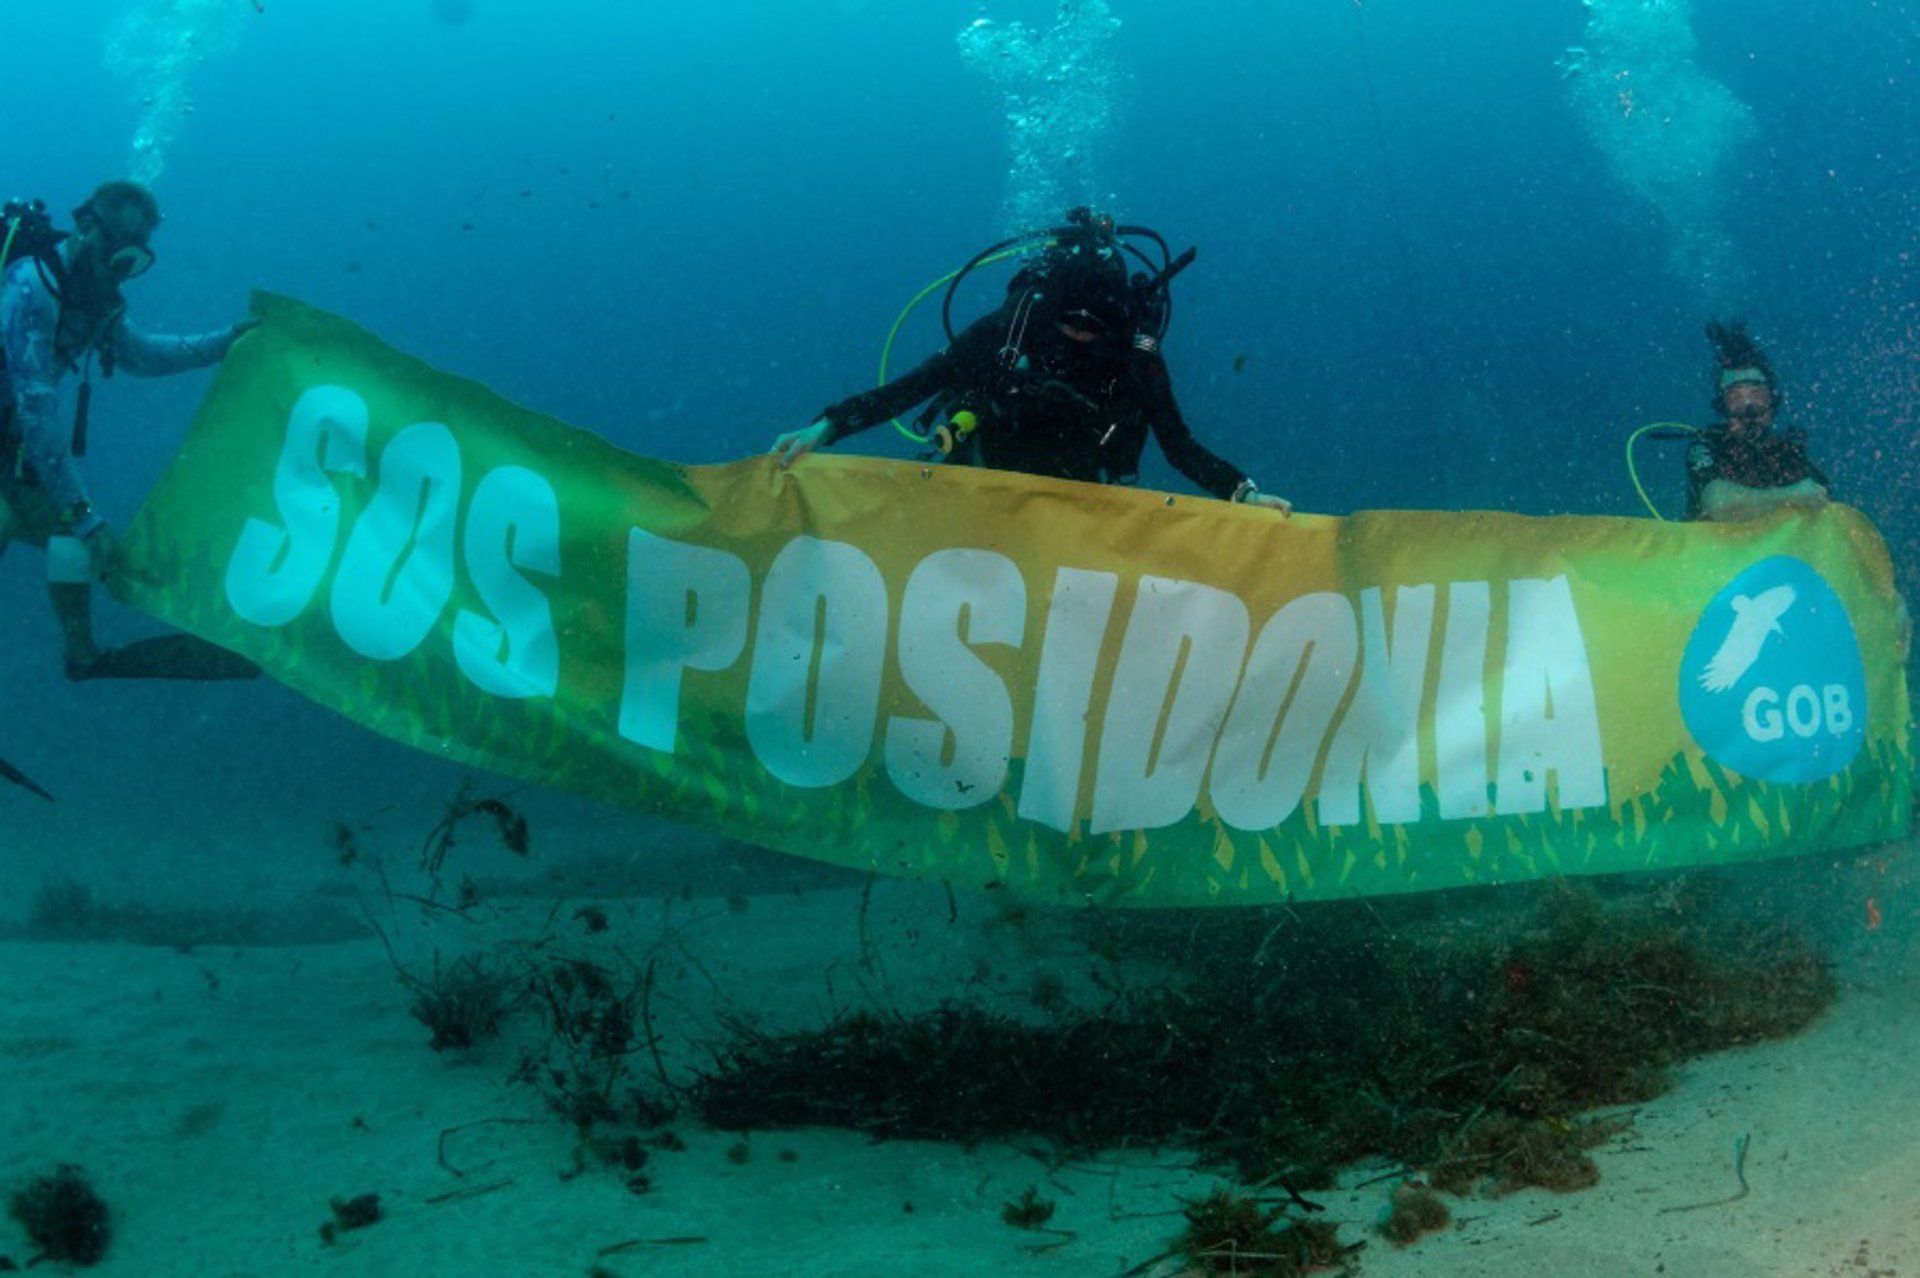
1084	325
124	236
129	261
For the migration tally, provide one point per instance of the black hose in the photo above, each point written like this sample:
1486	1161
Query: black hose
946	303
1163	271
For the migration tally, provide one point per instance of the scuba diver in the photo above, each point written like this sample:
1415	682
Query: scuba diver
1064	379
61	312
1741	468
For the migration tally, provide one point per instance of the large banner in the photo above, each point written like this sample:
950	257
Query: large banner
1063	690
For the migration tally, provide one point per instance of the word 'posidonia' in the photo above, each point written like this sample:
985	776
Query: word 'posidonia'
1330	694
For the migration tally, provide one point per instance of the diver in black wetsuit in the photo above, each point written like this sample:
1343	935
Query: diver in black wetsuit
1064	379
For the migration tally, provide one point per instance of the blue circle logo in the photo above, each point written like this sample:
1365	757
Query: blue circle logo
1772	684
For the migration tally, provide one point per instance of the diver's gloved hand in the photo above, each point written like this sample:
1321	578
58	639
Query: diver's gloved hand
795	444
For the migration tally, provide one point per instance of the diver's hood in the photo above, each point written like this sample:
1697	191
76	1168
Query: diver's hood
1084	282
1084	267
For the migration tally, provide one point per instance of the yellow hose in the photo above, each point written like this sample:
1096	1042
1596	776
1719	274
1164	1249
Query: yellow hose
1633	471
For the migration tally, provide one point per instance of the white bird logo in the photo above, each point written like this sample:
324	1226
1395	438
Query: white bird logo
1754	619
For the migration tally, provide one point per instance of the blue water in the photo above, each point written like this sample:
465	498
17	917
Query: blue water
1422	281
687	227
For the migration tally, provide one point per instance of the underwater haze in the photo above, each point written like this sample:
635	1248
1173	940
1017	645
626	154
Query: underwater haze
1451	254
1439	265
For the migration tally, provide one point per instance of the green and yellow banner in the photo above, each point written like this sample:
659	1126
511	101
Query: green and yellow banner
1065	690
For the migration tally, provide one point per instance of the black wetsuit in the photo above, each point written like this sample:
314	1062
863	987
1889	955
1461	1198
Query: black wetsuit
1767	459
1050	407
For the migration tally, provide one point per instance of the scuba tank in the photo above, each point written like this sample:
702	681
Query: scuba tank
27	231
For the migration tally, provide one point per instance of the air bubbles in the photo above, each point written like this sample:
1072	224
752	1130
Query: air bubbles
1060	88
155	48
1668	129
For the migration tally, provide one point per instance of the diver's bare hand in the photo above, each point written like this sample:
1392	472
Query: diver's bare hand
235	332
1249	494
795	444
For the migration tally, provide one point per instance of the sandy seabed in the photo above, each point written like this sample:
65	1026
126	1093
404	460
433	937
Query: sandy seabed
221	1097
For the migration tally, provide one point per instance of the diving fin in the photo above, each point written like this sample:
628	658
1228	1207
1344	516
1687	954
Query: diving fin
10	773
169	657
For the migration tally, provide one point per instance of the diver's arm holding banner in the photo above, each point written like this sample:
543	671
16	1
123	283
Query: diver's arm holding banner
1207	469
967	359
163	354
